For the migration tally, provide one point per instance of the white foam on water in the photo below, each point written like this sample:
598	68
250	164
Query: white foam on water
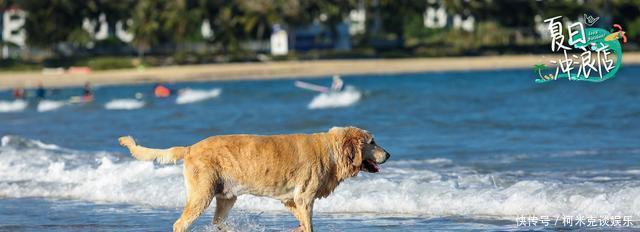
425	161
124	104
347	97
29	170
49	105
13	106
193	95
19	142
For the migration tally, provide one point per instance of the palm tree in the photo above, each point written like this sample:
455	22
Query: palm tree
258	16
145	25
181	21
41	28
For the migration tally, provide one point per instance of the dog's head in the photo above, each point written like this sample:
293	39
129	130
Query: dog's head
357	150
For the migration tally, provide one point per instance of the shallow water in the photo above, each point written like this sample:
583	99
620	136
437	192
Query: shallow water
470	150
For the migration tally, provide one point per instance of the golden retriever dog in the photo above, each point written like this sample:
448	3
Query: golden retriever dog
295	169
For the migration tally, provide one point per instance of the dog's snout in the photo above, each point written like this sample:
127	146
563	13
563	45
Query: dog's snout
387	156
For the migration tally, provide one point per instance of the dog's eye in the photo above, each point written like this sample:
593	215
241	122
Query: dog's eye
372	142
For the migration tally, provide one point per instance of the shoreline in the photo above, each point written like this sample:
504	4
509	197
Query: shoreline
279	70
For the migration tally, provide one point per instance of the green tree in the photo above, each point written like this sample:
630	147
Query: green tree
146	25
44	32
258	16
329	12
396	14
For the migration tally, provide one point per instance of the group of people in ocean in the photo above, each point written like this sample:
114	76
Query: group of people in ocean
336	95
41	93
159	90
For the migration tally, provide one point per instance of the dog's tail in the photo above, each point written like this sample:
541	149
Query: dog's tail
161	155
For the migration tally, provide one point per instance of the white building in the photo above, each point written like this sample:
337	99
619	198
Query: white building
12	32
279	41
435	17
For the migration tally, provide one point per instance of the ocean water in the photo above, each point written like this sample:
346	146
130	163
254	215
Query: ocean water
470	151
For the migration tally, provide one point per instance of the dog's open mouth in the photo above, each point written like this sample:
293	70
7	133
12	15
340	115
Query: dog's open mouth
370	166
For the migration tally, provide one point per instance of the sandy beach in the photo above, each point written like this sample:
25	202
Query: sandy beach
279	70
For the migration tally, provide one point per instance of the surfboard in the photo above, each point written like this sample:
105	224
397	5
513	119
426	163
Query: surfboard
79	99
312	87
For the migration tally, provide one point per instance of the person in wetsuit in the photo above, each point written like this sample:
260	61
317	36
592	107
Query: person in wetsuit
87	93
41	92
18	93
337	84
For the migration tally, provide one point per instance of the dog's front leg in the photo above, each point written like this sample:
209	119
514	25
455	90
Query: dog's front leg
304	209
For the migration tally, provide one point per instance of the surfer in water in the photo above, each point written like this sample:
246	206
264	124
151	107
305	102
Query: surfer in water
18	93
85	97
41	92
337	84
87	93
161	91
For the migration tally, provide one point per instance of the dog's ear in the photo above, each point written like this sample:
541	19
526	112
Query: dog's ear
352	142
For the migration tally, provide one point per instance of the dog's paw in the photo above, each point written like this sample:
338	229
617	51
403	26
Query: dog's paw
126	141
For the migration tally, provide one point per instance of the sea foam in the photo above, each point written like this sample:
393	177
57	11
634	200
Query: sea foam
49	105
192	95
124	104
347	97
13	106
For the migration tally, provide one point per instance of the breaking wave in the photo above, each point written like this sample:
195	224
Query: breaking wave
13	106
49	105
192	95
124	104
30	168
347	97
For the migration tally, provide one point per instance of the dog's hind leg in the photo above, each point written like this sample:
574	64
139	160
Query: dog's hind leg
199	196
223	206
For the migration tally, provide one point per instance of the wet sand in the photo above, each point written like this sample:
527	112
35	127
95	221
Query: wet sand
279	70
